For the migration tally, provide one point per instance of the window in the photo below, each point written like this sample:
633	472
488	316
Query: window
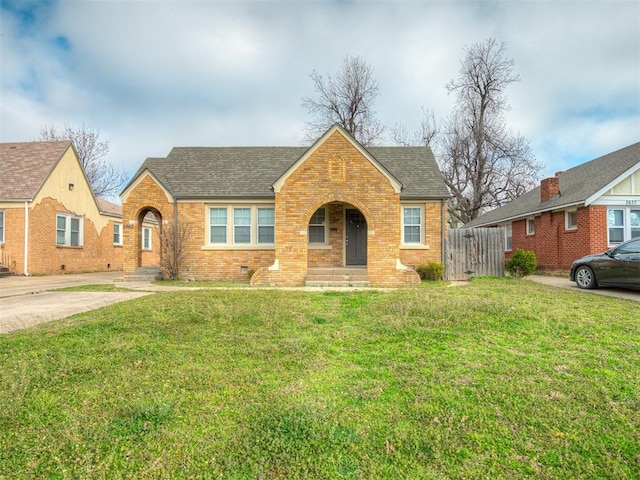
117	234
317	226
241	225
146	238
218	225
615	221
623	224
1	226
266	225
571	220
68	230
412	224
508	237
531	226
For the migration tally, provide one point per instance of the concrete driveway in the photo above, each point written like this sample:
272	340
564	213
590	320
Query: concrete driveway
28	301
561	282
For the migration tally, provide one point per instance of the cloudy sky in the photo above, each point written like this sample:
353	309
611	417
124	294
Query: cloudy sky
153	74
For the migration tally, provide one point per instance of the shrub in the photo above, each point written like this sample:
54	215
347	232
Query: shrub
522	263
431	271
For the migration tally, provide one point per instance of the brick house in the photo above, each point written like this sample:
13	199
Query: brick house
586	209
50	221
287	212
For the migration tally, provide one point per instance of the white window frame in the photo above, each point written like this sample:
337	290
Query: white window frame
242	226
224	225
626	227
231	231
420	225
322	224
530	226
508	237
567	219
2	215
117	230
263	226
146	243
68	218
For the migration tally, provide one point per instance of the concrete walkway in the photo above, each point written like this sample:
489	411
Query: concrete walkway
564	282
28	301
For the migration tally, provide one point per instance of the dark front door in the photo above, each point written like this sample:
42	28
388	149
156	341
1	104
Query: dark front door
356	238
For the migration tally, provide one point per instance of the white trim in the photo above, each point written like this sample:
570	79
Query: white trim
325	226
26	239
279	183
67	230
119	224
527	230
567	214
2	223
124	196
142	246
592	198
403	243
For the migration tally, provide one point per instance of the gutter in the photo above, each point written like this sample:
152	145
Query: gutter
26	238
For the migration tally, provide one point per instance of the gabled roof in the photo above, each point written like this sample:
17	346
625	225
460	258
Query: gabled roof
578	185
108	208
26	166
250	172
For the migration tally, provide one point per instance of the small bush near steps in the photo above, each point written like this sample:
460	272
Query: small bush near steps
522	263
431	271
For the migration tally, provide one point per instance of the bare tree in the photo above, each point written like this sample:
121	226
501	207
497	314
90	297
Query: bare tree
174	237
424	135
104	178
484	164
346	99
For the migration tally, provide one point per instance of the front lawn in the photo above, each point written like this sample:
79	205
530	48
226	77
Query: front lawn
497	379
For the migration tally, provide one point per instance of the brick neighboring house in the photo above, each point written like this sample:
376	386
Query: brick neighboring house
586	209
50	221
281	211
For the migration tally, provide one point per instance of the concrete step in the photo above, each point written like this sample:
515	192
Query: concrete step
5	272
337	277
335	283
143	274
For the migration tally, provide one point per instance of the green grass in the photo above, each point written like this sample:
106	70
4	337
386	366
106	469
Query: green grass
497	379
202	283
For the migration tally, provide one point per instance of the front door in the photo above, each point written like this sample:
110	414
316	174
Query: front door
356	238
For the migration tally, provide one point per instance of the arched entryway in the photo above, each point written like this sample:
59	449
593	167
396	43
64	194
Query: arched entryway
149	239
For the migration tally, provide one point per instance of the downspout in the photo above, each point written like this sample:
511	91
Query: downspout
442	243
175	230
26	239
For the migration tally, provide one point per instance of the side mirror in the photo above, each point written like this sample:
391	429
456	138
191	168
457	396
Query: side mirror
609	253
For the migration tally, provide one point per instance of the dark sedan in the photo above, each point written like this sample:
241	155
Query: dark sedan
618	267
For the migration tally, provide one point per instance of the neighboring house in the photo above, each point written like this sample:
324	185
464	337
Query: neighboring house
584	210
280	211
50	221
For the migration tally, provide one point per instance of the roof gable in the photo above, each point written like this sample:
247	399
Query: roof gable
582	184
337	129
26	166
191	173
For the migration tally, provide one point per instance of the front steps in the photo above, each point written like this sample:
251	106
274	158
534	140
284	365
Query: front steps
4	271
337	277
143	274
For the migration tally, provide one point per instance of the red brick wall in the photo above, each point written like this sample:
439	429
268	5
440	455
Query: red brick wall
555	247
45	257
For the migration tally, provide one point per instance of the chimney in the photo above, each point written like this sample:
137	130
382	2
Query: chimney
550	187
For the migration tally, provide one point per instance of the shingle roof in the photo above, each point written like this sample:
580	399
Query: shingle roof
109	208
24	167
249	172
576	185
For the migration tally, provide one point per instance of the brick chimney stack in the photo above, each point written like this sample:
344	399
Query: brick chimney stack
550	187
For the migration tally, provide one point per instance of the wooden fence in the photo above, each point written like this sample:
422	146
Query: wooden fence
477	252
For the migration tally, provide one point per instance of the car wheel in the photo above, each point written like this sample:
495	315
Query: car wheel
585	278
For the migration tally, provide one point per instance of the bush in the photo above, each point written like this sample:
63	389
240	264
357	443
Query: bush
522	263
431	271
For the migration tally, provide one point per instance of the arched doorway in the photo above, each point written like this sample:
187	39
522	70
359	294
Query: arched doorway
149	239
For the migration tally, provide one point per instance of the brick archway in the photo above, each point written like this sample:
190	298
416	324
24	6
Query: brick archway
149	221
